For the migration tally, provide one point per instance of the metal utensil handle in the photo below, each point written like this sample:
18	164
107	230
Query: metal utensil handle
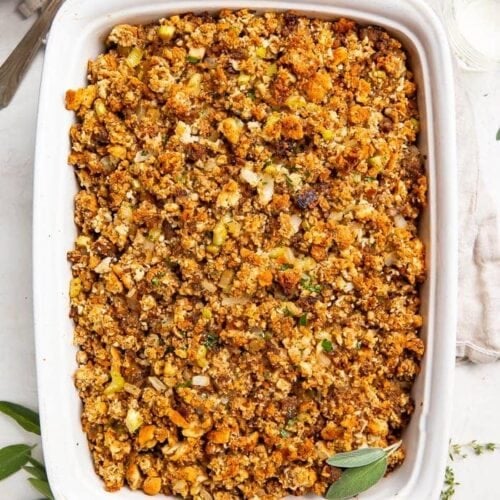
14	67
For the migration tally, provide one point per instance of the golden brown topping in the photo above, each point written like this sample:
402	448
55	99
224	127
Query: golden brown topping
245	277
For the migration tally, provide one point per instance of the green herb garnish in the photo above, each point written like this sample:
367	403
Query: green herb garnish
284	433
284	267
157	279
303	320
460	450
362	469
326	345
192	59
211	340
307	284
449	484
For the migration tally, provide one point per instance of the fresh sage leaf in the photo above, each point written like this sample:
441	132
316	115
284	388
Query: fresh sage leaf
36	463
42	487
26	418
355	481
36	472
13	458
356	458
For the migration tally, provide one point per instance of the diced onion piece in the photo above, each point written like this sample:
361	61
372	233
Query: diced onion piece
400	221
235	301
141	156
336	216
250	176
103	266
266	189
209	287
157	384
295	222
226	278
293	308
200	381
133	420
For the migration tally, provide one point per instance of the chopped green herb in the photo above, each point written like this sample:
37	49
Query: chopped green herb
157	279
370	179
251	94
326	345
307	284
284	433
193	60
303	320
284	267
459	450
449	484
287	313
211	341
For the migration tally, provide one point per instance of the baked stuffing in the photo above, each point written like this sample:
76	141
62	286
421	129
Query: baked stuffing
246	271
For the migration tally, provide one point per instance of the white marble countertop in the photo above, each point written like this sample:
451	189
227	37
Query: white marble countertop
476	401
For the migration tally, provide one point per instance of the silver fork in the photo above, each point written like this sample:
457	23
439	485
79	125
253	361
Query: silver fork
15	66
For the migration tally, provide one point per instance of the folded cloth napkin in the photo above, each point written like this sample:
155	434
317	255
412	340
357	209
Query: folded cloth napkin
478	336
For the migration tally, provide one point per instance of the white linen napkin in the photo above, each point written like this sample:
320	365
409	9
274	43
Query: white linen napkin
478	336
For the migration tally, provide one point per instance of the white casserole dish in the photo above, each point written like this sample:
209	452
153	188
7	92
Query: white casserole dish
76	36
